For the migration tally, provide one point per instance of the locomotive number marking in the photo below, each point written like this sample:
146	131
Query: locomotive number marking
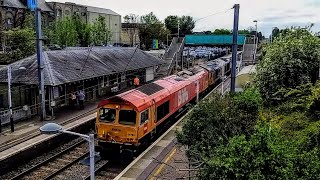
183	96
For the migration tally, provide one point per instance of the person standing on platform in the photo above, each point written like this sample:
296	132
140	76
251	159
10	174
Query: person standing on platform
136	82
81	97
73	99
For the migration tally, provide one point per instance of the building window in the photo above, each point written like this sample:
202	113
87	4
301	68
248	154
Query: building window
59	12
67	12
19	20
9	20
144	117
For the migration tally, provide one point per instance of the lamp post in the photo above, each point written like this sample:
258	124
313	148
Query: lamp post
53	128
256	25
256	39
9	96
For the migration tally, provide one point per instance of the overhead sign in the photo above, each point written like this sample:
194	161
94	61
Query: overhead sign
155	44
32	4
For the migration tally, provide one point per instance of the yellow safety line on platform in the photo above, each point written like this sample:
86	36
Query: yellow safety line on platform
162	165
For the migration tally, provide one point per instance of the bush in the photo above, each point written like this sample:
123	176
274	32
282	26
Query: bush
265	155
213	122
20	44
289	62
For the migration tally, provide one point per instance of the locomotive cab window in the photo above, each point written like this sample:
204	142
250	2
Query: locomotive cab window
144	117
127	117
107	115
163	110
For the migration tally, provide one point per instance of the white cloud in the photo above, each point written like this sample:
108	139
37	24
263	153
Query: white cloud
269	13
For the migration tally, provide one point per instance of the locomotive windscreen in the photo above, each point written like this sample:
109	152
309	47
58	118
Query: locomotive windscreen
150	89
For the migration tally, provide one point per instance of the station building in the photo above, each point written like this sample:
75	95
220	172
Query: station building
99	71
13	12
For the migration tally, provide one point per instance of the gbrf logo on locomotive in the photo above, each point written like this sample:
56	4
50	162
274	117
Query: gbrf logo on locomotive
183	96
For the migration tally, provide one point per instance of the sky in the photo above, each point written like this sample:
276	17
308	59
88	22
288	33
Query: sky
268	13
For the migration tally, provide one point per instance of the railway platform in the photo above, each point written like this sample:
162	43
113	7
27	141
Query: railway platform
26	127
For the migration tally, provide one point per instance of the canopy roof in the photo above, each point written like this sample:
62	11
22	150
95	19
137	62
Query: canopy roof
74	64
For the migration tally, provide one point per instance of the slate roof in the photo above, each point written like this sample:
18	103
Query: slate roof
44	6
76	64
101	10
14	3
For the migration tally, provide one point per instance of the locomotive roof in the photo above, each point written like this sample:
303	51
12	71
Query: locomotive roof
143	97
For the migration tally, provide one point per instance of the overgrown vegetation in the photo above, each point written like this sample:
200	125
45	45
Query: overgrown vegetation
69	31
20	43
269	131
288	62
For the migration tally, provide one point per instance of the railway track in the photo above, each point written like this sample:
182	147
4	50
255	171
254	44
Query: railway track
108	172
50	167
36	133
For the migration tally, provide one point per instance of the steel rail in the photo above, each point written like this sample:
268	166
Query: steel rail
36	133
31	169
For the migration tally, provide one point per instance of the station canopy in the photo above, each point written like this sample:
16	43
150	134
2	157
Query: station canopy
203	39
75	64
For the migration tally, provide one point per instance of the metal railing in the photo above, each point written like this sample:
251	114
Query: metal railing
166	54
174	58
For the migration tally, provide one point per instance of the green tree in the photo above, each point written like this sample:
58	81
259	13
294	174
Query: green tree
213	122
20	43
81	28
289	62
153	28
266	154
187	24
100	33
29	20
275	33
222	31
65	33
171	23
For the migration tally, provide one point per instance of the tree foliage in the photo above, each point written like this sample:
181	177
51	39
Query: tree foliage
187	24
64	32
71	31
290	61
171	23
100	34
212	123
153	29
20	43
222	32
264	155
